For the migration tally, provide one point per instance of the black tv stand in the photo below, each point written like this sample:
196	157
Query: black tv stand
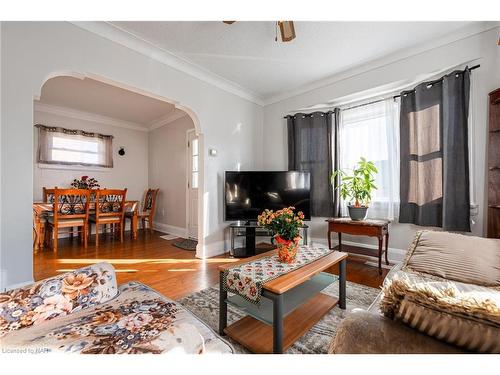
250	230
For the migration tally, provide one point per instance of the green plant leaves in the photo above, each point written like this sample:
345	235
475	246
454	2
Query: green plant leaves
359	185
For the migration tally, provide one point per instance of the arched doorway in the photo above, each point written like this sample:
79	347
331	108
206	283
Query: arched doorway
176	108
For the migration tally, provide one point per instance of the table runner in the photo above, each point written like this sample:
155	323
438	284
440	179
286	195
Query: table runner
246	279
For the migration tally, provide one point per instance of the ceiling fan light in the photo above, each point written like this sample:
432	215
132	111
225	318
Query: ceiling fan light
287	30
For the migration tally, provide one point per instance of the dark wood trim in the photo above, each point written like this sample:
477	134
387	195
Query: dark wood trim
493	165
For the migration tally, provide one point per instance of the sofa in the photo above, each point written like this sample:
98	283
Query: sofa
85	312
443	298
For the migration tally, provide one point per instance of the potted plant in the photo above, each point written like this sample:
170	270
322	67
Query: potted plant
284	224
357	187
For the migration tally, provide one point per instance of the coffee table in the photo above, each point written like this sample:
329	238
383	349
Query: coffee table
290	305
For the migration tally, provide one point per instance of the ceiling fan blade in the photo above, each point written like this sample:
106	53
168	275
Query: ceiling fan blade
229	22
287	30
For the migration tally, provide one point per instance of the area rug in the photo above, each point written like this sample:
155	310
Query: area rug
186	244
205	305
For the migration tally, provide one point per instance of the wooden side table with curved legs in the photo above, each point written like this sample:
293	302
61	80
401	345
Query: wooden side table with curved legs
373	228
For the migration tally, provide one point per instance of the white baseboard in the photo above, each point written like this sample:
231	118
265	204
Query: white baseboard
395	255
171	229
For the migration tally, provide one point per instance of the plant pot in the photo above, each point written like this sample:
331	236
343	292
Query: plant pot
357	213
287	249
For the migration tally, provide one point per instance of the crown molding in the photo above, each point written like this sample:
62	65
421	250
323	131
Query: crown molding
146	48
463	33
176	114
138	44
87	116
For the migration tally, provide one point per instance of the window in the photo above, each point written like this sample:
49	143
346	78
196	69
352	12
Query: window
194	163
74	147
372	131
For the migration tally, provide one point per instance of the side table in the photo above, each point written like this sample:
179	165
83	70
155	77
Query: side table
371	228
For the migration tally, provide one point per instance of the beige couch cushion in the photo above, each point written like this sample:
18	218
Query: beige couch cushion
362	332
461	314
451	256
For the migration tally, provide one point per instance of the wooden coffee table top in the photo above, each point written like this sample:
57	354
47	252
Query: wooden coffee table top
290	280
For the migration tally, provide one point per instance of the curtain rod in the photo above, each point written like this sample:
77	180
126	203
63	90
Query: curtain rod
432	82
394	97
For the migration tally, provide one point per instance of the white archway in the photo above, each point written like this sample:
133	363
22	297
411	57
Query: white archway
177	105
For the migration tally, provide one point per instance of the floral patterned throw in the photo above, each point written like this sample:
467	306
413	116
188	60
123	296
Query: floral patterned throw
137	321
56	297
246	279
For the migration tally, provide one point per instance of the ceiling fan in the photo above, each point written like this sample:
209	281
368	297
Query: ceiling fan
287	30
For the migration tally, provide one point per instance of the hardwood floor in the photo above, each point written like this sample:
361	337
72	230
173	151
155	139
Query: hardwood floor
156	262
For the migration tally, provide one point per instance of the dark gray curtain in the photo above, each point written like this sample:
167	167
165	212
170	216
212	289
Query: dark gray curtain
336	161
434	186
310	148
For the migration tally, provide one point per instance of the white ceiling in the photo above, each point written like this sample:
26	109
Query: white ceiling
95	97
246	54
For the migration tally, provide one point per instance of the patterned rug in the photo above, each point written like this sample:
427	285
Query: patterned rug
186	244
205	305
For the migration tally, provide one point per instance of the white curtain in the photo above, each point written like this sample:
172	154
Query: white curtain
372	131
74	147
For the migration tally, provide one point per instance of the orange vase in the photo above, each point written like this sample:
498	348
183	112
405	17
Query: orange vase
287	249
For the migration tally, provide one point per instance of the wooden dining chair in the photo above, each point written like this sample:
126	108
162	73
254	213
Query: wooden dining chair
71	209
109	209
148	210
39	226
48	195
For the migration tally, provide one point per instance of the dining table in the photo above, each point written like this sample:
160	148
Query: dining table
42	209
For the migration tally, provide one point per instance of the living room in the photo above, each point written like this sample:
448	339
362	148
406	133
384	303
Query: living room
377	159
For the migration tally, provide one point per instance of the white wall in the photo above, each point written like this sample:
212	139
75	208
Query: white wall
129	171
481	47
168	172
33	52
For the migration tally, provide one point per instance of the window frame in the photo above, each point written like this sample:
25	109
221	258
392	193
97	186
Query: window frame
45	147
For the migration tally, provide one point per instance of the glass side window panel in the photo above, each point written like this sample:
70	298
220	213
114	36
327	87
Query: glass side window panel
194	180
194	163
194	147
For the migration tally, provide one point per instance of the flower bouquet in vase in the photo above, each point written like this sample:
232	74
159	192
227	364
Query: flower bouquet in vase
285	225
85	183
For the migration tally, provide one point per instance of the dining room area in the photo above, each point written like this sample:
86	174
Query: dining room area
110	172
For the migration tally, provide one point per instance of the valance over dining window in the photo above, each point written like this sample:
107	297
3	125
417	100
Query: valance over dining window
58	145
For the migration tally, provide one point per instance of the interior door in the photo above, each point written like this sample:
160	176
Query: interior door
192	184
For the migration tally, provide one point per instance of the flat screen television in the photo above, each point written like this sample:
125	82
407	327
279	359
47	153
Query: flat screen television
247	194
